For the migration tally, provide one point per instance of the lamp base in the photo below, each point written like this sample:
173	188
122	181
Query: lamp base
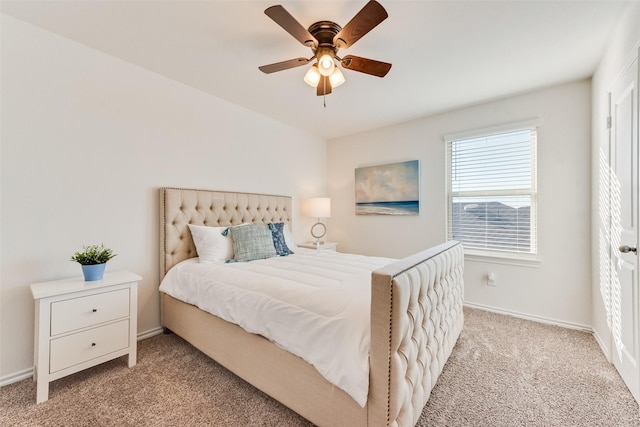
318	230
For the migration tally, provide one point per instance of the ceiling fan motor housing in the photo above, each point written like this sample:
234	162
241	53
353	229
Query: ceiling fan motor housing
324	32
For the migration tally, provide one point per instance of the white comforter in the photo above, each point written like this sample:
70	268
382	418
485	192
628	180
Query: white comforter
314	304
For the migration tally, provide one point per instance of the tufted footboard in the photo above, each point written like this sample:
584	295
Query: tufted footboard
416	312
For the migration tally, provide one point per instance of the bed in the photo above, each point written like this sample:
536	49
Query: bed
416	318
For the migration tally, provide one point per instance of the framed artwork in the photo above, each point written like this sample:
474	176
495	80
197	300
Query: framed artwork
392	189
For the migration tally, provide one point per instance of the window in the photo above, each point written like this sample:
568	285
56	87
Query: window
492	190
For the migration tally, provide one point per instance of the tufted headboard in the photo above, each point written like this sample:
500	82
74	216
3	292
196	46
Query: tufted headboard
180	207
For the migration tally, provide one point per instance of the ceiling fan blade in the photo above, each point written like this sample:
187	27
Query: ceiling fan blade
366	20
283	18
284	65
364	65
324	86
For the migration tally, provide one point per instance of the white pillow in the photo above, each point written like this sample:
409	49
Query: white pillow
288	238
211	244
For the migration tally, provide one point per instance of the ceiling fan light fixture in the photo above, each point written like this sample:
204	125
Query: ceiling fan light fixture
312	78
325	62
336	78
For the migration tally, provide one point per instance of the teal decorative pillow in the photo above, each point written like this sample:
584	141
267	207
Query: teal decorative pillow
251	242
278	239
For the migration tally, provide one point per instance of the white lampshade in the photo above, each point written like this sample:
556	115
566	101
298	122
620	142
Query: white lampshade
312	78
317	207
337	78
325	62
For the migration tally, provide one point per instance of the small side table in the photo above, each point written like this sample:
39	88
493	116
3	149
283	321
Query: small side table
323	246
81	324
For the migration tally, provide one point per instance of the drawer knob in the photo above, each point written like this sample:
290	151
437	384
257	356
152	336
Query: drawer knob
93	344
94	310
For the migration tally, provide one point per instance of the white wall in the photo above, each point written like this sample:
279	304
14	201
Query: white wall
558	289
87	139
621	49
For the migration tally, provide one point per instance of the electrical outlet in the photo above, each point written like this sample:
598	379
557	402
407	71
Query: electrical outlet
491	279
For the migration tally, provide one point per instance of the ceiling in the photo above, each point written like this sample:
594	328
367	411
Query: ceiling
445	54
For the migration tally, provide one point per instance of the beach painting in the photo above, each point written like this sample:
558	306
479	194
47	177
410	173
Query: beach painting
392	189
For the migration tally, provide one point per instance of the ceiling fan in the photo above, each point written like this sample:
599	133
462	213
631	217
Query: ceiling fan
325	38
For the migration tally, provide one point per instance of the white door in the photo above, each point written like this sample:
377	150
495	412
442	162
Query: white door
624	228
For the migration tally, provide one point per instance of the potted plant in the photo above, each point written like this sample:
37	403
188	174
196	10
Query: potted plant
93	260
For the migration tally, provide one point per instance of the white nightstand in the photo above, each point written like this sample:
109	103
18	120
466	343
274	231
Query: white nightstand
81	324
323	246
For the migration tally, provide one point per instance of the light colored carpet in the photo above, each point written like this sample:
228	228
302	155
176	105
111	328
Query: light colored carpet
503	372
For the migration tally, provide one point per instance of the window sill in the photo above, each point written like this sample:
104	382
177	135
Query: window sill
521	261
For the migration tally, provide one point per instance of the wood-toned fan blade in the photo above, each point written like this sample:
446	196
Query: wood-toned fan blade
366	20
324	86
283	18
364	65
284	65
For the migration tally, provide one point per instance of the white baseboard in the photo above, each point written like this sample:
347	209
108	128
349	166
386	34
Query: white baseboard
562	323
150	333
604	347
28	373
16	376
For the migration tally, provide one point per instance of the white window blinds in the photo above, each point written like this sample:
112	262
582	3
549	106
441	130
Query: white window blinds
492	190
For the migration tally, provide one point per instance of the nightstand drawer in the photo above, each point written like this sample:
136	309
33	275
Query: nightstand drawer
78	313
87	345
